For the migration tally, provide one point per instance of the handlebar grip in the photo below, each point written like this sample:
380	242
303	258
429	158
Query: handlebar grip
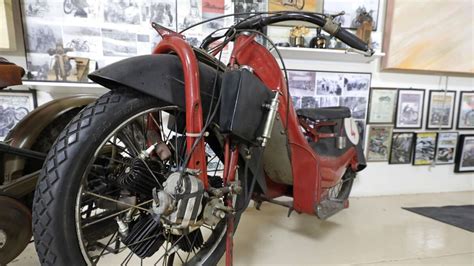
351	40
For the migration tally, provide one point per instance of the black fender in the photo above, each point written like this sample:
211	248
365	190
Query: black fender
160	76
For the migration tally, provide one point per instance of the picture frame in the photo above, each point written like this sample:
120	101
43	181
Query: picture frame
410	104
14	106
465	119
378	143
464	161
425	148
401	151
379	99
352	9
440	109
446	145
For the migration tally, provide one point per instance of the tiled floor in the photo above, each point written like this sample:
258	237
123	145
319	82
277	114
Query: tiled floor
373	231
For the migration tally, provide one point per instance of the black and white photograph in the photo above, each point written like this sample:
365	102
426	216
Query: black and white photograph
446	147
361	127
358	106
425	147
410	108
356	84
378	143
162	12
296	102
464	161
401	151
214	25
41	37
84	9
382	105
119	43
42	9
38	66
329	83
83	39
123	11
440	109
354	10
309	102
466	111
189	13
246	6
14	106
302	83
328	101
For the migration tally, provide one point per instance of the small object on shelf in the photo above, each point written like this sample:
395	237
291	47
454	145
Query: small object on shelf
282	44
320	41
60	66
297	36
364	22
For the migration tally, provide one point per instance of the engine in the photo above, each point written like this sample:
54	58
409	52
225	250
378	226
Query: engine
135	177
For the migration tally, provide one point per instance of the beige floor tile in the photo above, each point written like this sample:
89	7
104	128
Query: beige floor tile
373	231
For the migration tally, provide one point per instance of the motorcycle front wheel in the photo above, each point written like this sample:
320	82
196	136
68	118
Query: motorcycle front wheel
79	186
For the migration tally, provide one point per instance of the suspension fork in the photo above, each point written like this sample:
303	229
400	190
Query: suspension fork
174	42
231	158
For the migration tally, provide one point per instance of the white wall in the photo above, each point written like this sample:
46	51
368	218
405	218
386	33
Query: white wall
379	178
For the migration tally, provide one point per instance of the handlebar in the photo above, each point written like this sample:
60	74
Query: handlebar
326	23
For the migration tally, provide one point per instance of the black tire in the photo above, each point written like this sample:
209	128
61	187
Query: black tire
347	182
54	227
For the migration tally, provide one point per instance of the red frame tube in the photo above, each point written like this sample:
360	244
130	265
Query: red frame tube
194	119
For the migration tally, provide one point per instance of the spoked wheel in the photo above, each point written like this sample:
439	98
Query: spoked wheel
343	188
101	169
68	6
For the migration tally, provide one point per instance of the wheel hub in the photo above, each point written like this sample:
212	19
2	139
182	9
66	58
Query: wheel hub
15	228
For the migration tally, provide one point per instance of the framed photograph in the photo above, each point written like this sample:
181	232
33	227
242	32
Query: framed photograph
353	9
292	5
441	109
466	110
378	143
14	106
402	148
410	108
425	147
465	154
382	105
446	147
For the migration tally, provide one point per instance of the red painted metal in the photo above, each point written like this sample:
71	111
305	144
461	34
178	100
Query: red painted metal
309	169
194	119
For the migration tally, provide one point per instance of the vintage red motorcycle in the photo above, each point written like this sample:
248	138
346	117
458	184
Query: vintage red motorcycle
161	168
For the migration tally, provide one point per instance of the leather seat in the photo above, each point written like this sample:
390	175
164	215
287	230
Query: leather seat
326	113
10	74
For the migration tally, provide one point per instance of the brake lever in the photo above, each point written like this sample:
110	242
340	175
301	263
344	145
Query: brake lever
369	52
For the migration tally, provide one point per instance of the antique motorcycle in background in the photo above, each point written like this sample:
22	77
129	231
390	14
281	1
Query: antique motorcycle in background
21	157
170	158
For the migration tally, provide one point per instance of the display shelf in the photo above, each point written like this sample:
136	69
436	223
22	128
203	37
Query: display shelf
333	55
65	87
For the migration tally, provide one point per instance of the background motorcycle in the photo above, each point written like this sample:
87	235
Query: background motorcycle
21	157
174	153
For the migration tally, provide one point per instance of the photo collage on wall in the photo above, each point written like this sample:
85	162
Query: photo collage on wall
64	37
315	89
392	113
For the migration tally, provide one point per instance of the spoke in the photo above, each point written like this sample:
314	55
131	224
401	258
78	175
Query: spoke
118	213
105	247
116	201
122	149
127	258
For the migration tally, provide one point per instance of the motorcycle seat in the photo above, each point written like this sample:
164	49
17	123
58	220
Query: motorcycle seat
325	113
10	74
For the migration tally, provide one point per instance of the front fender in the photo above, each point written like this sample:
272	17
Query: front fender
160	76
